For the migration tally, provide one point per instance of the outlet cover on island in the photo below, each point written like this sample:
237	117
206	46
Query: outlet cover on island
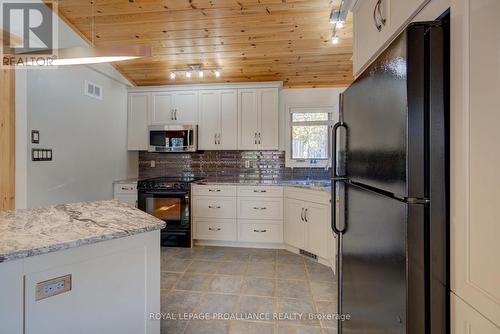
153	164
247	163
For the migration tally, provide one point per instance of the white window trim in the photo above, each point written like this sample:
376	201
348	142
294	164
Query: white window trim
293	163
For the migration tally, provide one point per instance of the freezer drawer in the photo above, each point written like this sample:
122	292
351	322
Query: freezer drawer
383	283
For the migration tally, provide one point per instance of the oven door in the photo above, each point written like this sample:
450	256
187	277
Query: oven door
173	208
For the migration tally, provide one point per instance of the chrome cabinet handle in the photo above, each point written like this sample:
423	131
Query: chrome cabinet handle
260	231
218	139
259	139
302	214
175	114
257	208
305	215
215	138
214	229
378	23
255	138
213	207
260	191
214	190
171	114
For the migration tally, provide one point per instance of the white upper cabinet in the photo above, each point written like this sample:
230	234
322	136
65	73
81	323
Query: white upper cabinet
376	22
210	119
229	116
228	135
186	107
174	108
248	119
258	119
162	109
475	182
137	121
218	120
269	119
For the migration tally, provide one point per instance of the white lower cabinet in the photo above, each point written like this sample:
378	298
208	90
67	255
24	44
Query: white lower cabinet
264	214
307	224
256	231
265	208
238	213
317	229
214	207
466	320
215	229
294	223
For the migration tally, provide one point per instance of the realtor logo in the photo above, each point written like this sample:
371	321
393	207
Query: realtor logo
29	33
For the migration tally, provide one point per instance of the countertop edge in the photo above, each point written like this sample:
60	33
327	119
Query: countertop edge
22	254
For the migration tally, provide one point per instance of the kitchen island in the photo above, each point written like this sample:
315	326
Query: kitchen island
92	266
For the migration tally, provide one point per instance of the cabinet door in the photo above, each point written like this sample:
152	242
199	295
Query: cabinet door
367	38
466	320
402	11
228	134
137	121
317	218
269	119
294	226
162	109
248	119
186	108
475	182
209	116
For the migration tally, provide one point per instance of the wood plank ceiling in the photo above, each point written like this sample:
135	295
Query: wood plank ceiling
249	40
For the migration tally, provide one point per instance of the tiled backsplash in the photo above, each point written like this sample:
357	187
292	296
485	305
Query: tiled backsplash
226	166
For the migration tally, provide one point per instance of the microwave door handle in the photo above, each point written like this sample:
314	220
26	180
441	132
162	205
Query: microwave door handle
189	138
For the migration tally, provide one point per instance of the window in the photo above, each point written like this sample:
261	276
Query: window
309	144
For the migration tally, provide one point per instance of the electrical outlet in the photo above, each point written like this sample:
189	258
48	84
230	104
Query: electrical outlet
53	287
153	164
247	163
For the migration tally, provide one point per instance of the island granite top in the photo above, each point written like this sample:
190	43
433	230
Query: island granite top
31	232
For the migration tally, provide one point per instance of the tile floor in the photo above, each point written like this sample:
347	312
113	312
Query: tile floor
245	281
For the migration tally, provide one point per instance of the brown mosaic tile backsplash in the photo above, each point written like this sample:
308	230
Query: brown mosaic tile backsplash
226	166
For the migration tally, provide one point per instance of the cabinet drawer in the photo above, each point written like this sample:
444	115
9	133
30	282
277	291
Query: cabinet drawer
222	229
125	188
214	207
258	232
213	190
265	191
267	208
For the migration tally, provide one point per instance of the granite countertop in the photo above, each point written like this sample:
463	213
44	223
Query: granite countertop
31	232
321	185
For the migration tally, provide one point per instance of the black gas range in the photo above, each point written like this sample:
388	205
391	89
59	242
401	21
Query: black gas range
169	199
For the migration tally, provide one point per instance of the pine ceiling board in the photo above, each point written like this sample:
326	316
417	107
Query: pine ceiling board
249	40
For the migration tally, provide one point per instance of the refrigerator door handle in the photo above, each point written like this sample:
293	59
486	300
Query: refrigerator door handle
336	178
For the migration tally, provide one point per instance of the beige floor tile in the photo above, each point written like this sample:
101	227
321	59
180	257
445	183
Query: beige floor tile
258	286
226	284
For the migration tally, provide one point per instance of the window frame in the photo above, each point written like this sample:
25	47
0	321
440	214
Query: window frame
296	163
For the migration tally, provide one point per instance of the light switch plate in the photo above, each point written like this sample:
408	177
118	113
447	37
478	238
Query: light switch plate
53	287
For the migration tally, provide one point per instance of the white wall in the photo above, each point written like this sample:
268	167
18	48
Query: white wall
88	136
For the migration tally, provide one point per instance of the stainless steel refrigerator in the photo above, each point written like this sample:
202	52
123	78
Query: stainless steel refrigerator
390	189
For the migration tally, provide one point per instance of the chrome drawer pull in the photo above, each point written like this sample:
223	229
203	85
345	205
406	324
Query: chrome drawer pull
260	231
260	191
257	208
214	229
213	207
214	190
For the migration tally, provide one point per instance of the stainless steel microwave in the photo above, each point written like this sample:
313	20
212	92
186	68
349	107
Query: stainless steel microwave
173	138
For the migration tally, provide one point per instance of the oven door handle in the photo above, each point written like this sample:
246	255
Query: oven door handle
163	193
